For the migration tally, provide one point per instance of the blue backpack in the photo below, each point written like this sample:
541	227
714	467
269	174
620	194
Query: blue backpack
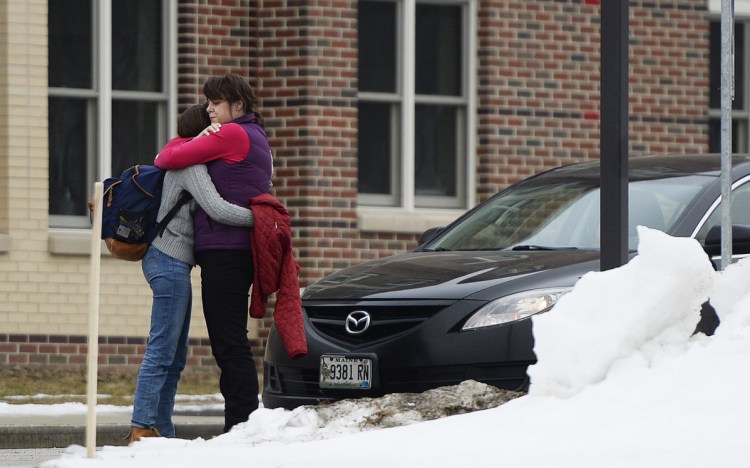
130	206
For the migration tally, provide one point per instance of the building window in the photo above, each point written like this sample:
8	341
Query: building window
414	104
740	104
109	97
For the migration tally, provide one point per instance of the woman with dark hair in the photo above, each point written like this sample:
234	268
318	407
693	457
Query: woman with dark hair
167	266
236	151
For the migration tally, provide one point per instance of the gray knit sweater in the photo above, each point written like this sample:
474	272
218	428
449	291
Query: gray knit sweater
177	240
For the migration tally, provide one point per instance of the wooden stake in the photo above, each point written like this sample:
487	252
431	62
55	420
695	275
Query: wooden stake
93	340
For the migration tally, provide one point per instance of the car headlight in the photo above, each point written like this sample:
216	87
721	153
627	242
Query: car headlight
515	307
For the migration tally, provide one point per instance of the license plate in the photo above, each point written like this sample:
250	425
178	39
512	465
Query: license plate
337	371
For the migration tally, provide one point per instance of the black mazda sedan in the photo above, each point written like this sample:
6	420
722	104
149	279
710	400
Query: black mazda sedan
458	306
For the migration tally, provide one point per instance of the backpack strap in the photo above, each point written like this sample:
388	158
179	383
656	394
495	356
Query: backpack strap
161	226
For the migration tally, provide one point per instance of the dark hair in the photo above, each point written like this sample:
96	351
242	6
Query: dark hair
233	88
193	120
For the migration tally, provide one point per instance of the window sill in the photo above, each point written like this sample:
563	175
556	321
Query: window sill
403	221
4	243
72	242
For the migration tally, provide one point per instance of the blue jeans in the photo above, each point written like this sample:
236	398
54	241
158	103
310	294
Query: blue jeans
167	347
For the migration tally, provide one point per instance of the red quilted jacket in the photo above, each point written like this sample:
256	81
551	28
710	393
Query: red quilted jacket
276	270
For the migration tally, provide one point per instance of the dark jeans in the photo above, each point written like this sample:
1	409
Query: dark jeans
226	277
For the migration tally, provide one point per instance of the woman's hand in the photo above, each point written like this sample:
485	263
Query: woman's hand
213	128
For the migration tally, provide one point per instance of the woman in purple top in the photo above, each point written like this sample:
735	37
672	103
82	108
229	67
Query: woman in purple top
236	152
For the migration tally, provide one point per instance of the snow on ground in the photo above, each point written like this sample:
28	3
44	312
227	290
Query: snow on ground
620	382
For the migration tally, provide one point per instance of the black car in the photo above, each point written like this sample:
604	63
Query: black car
458	306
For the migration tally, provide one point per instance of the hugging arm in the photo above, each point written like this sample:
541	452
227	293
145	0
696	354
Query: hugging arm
229	144
195	179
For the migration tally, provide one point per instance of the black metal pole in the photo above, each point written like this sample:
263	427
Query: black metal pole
614	133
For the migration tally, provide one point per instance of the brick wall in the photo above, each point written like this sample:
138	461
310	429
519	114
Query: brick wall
307	81
213	38
538	83
116	353
669	67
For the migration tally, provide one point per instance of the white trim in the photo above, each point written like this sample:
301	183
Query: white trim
399	220
72	242
741	7
408	59
171	36
471	119
104	82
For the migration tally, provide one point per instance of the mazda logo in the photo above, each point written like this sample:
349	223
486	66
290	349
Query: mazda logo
357	322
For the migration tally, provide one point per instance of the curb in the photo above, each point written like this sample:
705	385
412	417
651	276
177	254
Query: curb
60	436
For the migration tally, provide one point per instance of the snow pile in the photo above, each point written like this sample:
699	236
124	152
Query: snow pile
663	310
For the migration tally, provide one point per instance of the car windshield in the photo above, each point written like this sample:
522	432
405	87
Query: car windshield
550	213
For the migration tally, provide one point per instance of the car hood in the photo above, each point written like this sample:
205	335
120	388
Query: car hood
440	275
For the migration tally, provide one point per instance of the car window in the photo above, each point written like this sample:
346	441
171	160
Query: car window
564	214
515	216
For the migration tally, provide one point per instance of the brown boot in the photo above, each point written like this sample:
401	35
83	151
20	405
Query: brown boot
137	433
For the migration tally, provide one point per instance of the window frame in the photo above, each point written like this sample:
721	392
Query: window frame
403	104
100	96
740	117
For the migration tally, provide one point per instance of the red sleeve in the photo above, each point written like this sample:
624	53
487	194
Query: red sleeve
230	144
174	142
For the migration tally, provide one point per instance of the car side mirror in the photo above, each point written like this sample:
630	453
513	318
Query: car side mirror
740	240
429	234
